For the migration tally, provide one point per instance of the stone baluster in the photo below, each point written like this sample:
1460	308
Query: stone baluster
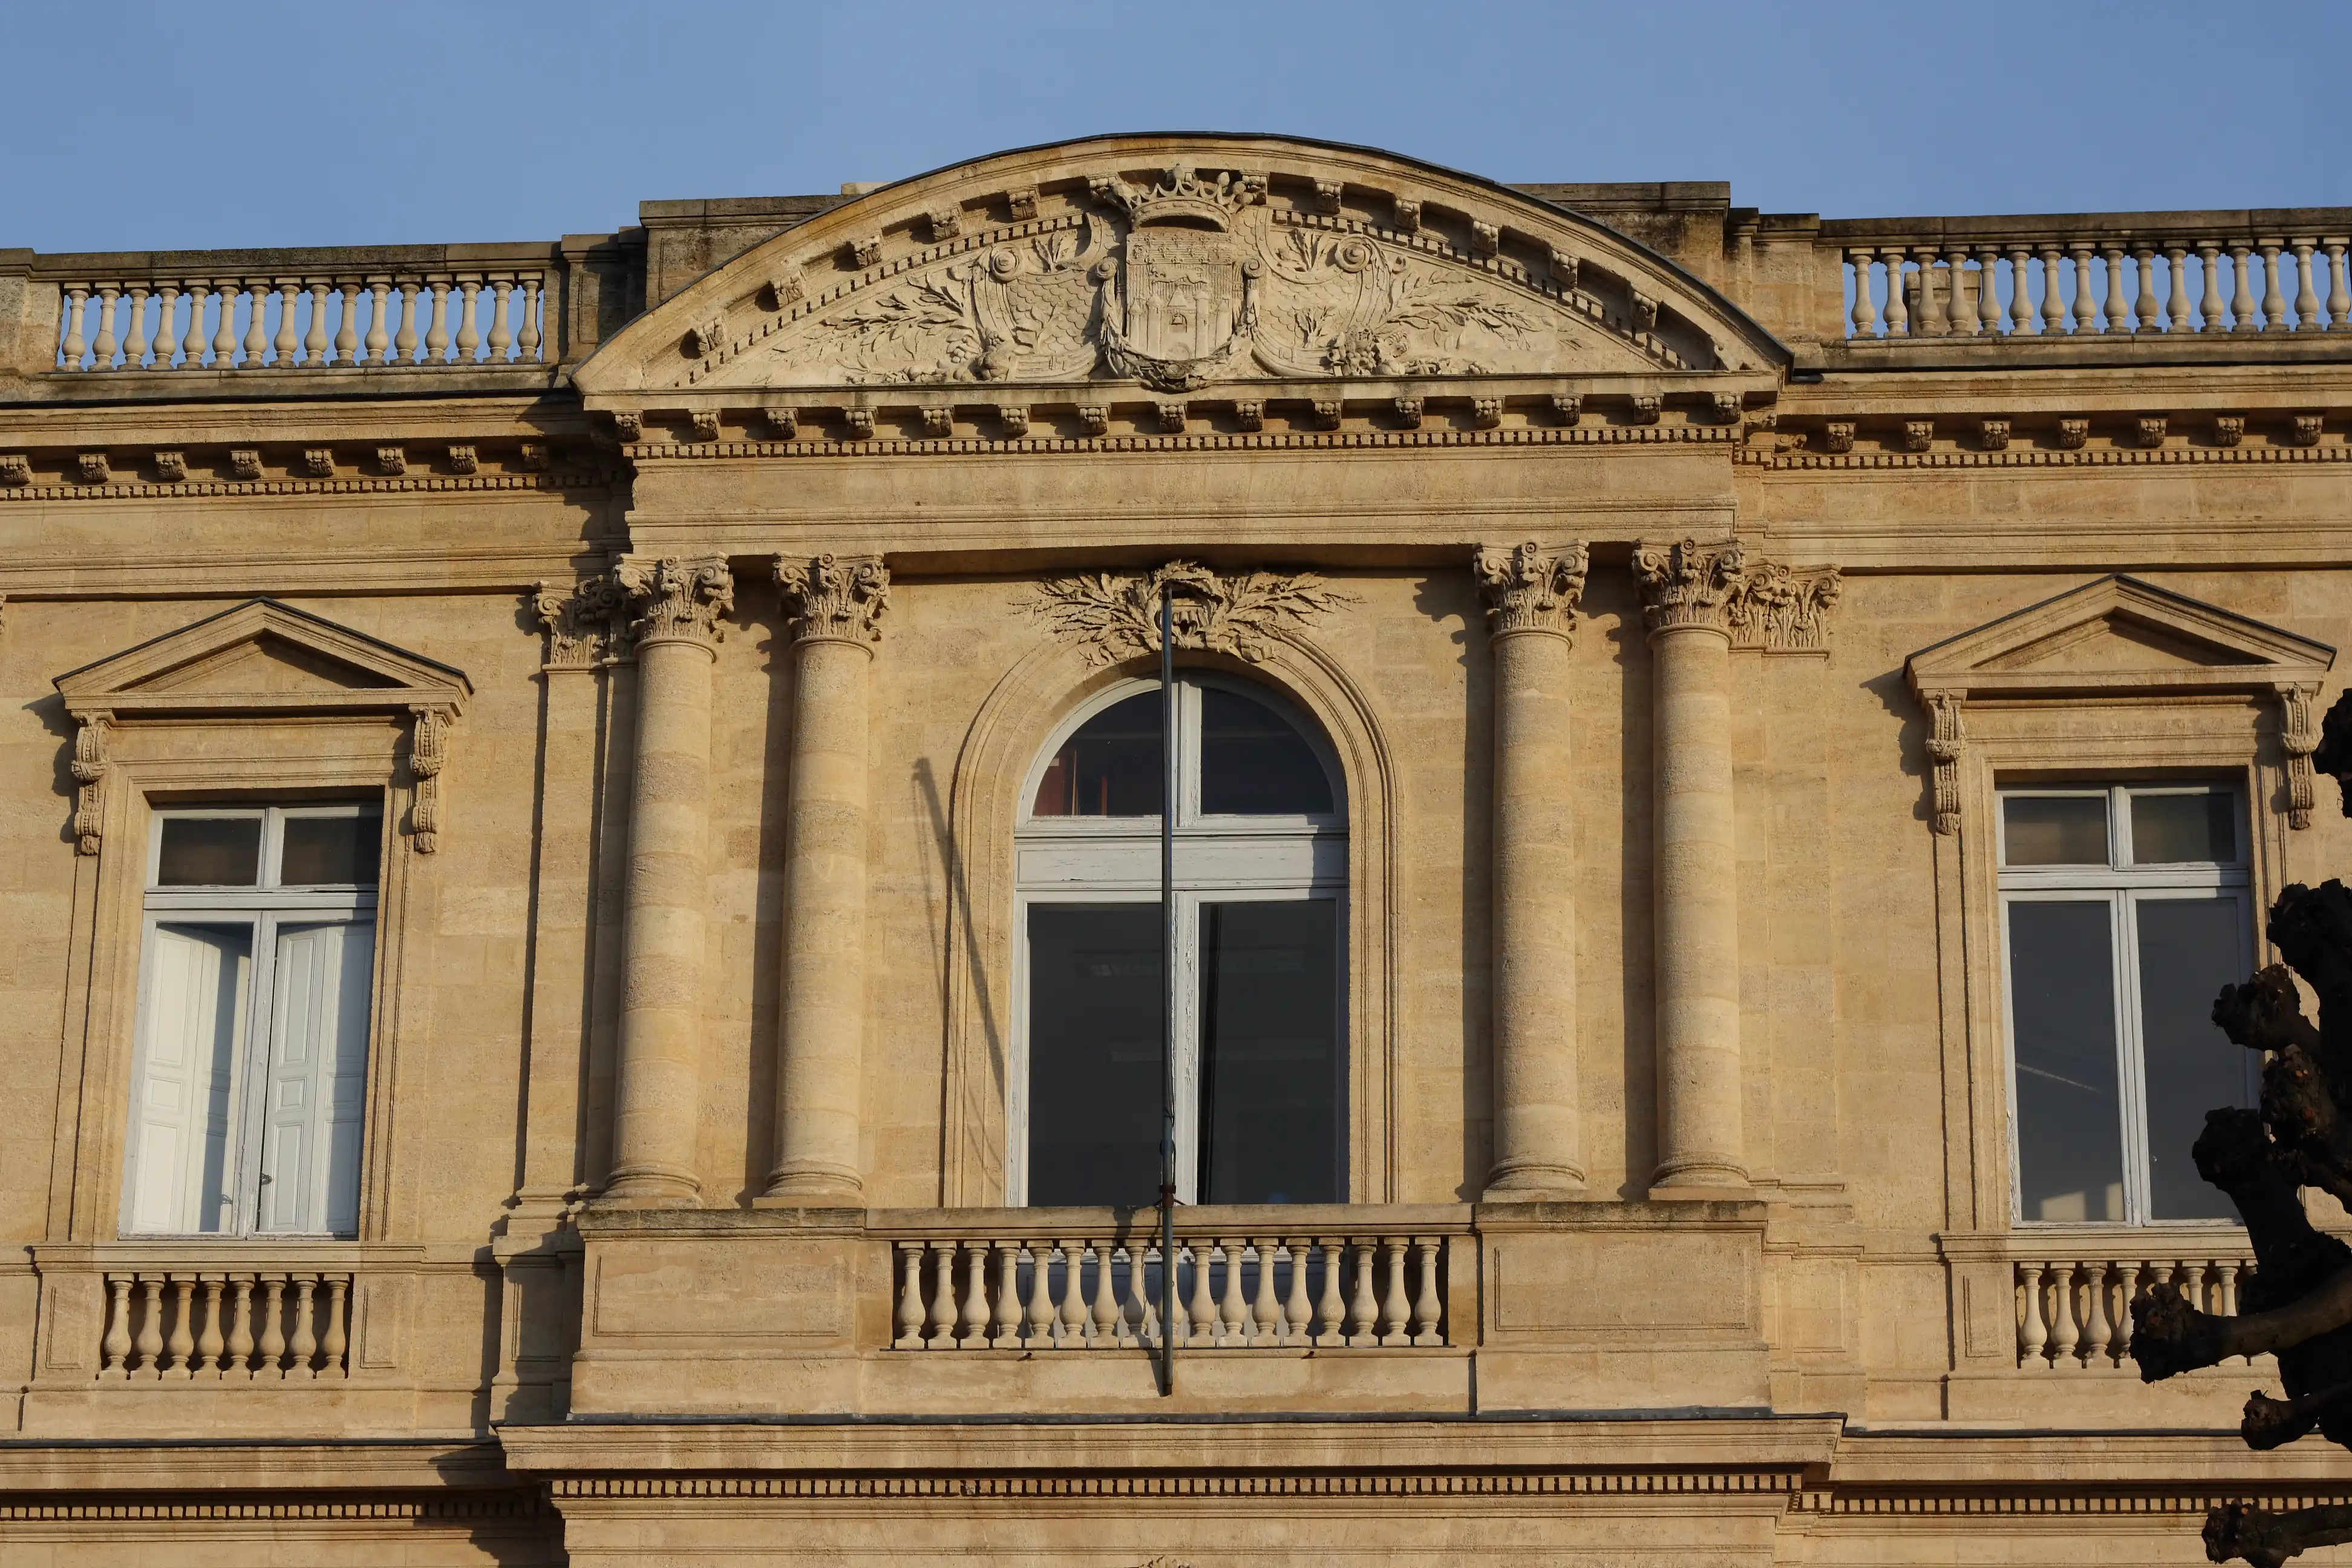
1265	1306
1330	1305
379	334
1866	309
1297	1311
1989	315
834	605
972	1331
332	1339
304	1345
289	341
167	341
2273	300
272	1363
403	338
2025	320
1363	1309
346	324
910	1297
314	337
114	1345
2176	310
181	1342
1232	1307
501	334
2146	311
1041	1294
940	1319
1103	1329
1531	594
1138	1309
210	1340
2065	1328
150	1342
1179	1326
526	339
2211	305
1935	307
1962	312
2306	292
256	335
1004	1317
1396	1308
1686	593
1428	1306
192	346
2098	1327
2241	304
2339	286
2085	303
2033	1330
437	330
1201	1311
77	346
2053	292
2126	1291
135	335
240	1326
469	337
1074	1311
678	605
2120	315
102	352
1898	312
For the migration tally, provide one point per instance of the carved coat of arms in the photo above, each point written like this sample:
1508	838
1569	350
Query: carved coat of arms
1185	304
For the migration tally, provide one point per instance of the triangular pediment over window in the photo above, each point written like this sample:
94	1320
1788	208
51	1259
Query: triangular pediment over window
2117	634
263	657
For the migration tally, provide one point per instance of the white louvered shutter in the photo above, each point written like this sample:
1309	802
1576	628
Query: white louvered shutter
318	1072
181	1163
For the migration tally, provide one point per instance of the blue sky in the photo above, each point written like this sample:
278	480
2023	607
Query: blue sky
229	124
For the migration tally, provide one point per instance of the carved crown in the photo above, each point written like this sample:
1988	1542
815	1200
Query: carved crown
1185	200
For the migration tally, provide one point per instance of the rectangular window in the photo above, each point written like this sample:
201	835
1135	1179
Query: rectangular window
2125	908
250	1069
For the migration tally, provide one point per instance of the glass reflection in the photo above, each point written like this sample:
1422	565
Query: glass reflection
2069	1121
2171	829
1270	1065
1111	767
2055	830
1093	1052
209	852
2188	948
330	851
1254	764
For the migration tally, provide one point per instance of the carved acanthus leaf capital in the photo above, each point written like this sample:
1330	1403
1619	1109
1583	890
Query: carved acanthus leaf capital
1784	609
587	624
1689	584
1529	588
677	597
836	597
1112	615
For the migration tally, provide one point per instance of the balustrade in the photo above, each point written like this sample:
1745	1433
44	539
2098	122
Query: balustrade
1102	1292
2042	285
477	318
269	1325
2075	1314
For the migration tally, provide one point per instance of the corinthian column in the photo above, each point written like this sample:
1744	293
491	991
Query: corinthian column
677	604
1687	597
836	604
1531	597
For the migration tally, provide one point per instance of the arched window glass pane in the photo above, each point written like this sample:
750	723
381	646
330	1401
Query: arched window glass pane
1253	763
1093	1052
1111	767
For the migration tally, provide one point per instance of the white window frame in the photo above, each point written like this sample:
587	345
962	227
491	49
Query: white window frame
262	908
2125	886
1220	859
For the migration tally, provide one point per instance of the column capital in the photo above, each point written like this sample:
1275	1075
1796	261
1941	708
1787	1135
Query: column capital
586	623
677	598
1689	584
835	598
1530	588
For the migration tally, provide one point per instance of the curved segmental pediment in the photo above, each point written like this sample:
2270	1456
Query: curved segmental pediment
1182	263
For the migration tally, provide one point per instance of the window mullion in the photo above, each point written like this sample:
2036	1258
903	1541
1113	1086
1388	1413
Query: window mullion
1187	1042
252	1099
2131	1062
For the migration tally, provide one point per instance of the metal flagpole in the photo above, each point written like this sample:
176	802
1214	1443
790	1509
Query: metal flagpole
1169	786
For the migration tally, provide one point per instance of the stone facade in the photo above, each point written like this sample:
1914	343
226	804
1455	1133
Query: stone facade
1673	588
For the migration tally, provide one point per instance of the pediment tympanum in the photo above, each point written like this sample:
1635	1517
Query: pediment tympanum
2119	637
1182	263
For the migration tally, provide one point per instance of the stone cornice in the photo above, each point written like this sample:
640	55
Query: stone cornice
1715	436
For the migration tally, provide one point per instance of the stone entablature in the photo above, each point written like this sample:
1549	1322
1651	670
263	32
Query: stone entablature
1666	669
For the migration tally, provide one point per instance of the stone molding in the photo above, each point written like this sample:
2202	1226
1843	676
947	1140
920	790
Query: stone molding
1110	616
835	598
1531	589
586	625
1395	1483
677	598
811	444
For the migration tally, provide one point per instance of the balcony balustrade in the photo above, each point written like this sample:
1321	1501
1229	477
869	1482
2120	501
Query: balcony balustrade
271	1325
2074	1313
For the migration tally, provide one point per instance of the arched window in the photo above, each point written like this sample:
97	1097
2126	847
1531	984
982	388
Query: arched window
1260	907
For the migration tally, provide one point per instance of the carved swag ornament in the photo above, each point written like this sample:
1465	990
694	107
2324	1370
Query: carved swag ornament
1112	616
1189	279
1530	589
836	597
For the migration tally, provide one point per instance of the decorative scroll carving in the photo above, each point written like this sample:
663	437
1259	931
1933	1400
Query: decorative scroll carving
1944	747
676	597
1783	609
586	625
1116	616
2303	429
171	467
2073	433
92	467
1191	278
2228	429
463	460
427	749
834	597
1531	589
2297	739
89	773
318	462
244	462
391	460
1994	434
15	468
1689	584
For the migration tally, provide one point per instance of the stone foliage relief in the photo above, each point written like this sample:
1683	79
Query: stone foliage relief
1112	615
1186	280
